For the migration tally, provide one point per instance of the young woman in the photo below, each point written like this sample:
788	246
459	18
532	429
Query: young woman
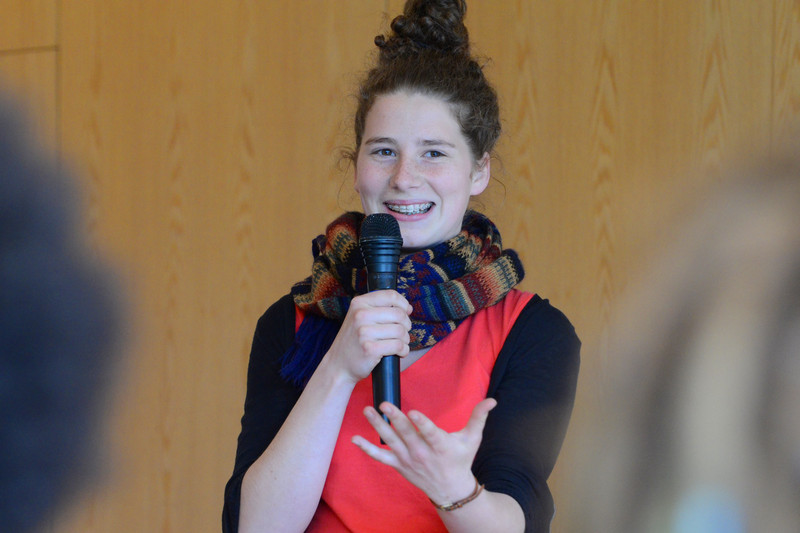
488	371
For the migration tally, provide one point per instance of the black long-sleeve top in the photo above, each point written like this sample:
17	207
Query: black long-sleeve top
533	380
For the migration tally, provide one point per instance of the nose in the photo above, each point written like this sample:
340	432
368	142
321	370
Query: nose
404	174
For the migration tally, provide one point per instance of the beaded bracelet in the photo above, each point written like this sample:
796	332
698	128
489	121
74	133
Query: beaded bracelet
460	503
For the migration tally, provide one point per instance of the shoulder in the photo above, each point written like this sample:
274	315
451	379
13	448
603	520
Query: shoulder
280	316
541	320
274	332
543	332
541	341
530	316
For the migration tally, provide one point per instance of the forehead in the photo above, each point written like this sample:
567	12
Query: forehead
412	112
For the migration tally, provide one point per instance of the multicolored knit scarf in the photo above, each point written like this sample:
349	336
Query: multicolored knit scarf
444	284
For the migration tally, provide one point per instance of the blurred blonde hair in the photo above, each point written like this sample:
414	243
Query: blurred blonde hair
698	430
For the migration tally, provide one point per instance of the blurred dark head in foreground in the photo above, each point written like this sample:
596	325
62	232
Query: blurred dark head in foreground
59	327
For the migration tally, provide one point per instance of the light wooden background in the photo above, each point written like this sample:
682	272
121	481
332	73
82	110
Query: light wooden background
206	136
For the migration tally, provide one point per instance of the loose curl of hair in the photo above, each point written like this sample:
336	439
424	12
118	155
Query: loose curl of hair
428	52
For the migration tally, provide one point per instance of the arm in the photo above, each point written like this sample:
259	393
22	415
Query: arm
268	402
280	490
534	382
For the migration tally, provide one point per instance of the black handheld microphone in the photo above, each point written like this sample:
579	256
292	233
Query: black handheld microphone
380	244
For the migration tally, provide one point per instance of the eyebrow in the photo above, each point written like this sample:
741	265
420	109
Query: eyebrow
426	142
380	140
437	142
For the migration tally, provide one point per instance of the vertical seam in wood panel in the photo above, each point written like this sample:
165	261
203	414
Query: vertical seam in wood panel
772	84
58	87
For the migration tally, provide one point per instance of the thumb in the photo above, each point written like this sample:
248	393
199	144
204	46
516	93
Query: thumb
477	419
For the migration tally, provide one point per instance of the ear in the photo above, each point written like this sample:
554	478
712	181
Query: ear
481	175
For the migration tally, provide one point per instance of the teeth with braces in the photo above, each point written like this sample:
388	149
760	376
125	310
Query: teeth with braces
414	209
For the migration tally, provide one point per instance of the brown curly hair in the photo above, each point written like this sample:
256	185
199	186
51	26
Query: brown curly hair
428	52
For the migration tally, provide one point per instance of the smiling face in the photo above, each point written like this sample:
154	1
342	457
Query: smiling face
414	163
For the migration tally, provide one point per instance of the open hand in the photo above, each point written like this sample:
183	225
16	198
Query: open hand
437	462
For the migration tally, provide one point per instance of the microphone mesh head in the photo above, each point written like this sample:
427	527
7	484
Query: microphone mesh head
380	225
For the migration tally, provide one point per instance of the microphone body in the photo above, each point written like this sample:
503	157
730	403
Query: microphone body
380	244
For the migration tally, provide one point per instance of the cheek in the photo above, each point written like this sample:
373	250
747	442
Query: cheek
460	188
366	179
358	180
364	188
359	167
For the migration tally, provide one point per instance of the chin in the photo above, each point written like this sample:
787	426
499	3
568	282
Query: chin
413	245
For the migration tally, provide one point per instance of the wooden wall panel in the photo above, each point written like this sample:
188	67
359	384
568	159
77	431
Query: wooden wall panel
610	107
786	67
28	61
207	138
29	80
27	24
207	135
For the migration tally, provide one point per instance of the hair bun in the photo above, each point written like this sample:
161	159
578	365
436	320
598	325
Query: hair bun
424	24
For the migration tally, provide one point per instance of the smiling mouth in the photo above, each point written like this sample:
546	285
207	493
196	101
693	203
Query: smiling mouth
411	209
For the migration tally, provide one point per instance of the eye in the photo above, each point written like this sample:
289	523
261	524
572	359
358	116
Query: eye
434	153
384	152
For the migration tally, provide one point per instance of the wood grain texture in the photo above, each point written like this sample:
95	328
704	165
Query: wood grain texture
26	24
28	79
207	138
786	67
611	109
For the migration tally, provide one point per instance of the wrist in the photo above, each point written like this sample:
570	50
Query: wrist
452	505
332	376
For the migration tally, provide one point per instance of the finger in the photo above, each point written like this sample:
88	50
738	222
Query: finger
402	425
414	449
477	419
381	455
384	339
430	432
385	431
382	332
383	348
395	299
386	298
404	431
372	315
